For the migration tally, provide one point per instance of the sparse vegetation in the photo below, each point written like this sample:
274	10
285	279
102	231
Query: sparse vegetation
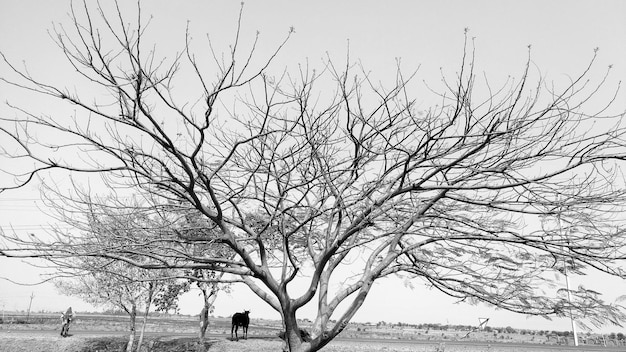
24	343
315	169
167	330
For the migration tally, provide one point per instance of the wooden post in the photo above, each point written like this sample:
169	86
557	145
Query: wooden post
32	295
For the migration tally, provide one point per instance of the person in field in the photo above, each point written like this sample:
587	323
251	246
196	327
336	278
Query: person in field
66	320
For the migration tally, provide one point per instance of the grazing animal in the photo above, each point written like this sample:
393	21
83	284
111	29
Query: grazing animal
243	320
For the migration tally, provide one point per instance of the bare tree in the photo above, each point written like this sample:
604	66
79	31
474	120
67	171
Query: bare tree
209	284
122	288
202	234
311	172
114	283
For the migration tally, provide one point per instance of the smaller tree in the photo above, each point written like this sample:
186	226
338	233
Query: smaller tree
113	283
208	283
163	294
121	286
110	290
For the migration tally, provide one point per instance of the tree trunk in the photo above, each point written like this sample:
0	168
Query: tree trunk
209	295
293	338
143	330
131	337
145	316
204	323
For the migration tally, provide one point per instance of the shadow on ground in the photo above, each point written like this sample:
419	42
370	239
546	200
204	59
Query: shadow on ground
163	344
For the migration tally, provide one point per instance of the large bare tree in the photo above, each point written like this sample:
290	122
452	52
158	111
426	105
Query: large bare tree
312	174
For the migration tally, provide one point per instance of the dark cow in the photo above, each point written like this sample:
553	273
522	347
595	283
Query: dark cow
243	320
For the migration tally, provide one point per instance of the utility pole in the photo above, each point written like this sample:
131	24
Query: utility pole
569	295
32	295
569	298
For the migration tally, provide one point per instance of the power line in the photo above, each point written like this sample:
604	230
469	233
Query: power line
20	199
35	227
2	199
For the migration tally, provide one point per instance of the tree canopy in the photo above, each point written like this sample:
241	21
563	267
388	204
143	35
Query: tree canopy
483	196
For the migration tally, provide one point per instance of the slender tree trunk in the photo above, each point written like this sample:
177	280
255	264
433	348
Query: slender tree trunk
204	314
143	330
209	296
131	337
204	323
145	316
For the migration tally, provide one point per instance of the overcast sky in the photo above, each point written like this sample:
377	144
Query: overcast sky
424	34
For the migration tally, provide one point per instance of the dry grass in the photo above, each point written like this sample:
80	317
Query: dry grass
166	336
31	343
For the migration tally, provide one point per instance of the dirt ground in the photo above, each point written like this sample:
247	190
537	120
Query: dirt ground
100	333
34	343
31	343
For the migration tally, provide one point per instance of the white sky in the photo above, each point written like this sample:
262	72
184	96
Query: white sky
427	34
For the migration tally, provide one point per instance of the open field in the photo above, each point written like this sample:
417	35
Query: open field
105	333
31	342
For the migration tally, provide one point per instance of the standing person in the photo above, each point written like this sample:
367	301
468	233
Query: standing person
66	319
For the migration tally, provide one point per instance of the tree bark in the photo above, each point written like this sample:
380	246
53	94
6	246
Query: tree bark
204	322
145	316
131	337
293	338
209	295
